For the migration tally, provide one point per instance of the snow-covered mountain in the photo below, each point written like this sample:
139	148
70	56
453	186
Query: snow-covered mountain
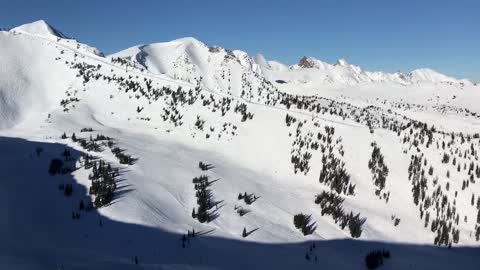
193	60
316	73
190	60
43	30
39	28
180	155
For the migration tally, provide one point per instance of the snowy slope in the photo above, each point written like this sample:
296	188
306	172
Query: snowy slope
28	87
174	104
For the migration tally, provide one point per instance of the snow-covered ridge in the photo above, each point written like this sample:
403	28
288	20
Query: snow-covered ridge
345	73
40	28
190	54
159	57
190	59
43	30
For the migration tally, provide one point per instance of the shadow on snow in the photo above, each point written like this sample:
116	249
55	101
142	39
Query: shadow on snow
38	232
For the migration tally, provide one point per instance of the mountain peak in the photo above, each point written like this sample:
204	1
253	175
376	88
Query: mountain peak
261	61
39	28
306	62
342	62
429	75
310	62
189	40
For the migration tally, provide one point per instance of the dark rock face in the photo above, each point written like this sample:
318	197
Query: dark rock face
306	62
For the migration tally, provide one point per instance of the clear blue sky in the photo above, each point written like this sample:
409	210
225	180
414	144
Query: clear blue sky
385	35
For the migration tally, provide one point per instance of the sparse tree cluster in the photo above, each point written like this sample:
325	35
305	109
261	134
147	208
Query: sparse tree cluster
122	157
103	177
205	166
247	198
175	100
205	200
331	204
199	123
304	223
379	170
290	120
335	175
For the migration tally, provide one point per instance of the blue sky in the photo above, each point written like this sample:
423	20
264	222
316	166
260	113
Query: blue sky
374	34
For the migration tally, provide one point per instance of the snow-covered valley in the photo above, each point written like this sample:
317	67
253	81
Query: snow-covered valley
111	162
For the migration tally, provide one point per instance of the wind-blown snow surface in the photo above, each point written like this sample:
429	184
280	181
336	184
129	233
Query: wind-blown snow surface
155	196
